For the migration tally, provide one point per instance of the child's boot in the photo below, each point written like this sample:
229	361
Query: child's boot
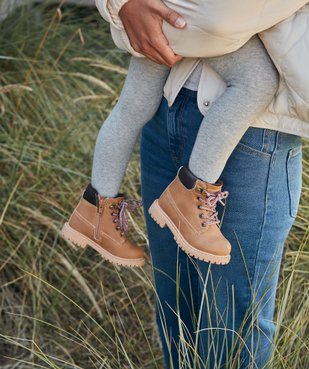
101	223
188	208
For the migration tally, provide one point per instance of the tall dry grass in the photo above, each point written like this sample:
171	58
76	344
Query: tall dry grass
61	307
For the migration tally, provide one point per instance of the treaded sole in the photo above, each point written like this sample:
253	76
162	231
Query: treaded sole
163	220
80	240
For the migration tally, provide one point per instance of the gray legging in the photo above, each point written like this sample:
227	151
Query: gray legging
252	81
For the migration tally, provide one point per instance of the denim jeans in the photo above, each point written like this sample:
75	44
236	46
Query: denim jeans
213	316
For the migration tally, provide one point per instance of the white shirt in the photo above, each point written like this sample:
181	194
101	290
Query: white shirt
193	80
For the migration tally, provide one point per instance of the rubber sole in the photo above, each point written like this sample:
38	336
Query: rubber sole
163	220
80	240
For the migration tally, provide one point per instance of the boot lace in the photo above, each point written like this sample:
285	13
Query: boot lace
209	201
121	214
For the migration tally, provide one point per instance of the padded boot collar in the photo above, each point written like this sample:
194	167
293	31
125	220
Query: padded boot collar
189	180
186	177
91	195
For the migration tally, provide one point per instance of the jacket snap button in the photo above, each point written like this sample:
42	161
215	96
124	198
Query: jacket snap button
206	103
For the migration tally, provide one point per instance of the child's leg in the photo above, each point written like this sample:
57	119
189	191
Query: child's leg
138	102
252	81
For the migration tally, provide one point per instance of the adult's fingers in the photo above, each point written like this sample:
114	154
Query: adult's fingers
160	43
156	49
142	20
170	16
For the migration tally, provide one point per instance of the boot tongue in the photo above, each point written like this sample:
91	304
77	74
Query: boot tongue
212	188
115	200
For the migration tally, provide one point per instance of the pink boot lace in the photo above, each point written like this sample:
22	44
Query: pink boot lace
210	204
121	216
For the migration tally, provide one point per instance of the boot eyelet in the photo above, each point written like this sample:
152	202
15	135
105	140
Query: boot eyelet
199	207
114	221
201	216
111	206
117	228
204	225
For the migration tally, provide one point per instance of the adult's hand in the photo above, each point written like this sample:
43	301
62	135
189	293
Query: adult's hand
142	20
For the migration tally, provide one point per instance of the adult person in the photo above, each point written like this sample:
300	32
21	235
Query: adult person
236	301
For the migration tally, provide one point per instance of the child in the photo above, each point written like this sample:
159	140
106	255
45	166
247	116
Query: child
188	205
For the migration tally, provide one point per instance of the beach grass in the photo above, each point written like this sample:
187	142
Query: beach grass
63	307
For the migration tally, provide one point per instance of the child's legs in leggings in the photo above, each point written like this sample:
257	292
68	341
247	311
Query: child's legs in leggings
138	102
252	81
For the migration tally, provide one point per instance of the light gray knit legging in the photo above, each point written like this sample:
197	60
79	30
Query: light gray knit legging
252	81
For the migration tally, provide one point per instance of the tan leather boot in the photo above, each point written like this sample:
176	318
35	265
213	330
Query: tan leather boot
188	208
100	222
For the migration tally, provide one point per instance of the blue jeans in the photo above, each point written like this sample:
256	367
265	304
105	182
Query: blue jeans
223	314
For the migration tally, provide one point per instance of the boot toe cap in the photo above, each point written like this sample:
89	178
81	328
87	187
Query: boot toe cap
133	251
